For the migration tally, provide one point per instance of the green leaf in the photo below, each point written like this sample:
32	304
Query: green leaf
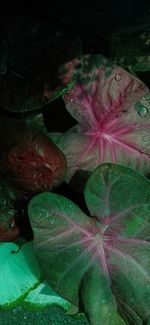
101	263
19	273
59	227
99	302
121	197
63	242
53	315
44	296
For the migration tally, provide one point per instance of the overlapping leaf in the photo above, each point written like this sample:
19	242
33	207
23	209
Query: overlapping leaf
19	273
112	108
104	258
44	296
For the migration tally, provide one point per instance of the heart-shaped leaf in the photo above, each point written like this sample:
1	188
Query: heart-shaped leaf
19	273
103	260
112	108
120	199
63	244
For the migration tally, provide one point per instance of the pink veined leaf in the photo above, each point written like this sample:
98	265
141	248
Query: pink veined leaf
112	108
84	257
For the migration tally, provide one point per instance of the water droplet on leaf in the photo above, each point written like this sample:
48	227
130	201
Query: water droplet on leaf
142	111
118	77
147	97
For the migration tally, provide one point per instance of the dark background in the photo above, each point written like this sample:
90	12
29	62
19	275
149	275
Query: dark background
98	17
91	20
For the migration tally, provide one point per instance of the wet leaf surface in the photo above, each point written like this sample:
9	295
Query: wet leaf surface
53	315
103	258
112	108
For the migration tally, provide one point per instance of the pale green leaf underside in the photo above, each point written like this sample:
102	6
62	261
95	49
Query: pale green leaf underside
44	296
19	272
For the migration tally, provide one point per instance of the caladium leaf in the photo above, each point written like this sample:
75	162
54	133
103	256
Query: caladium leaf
128	314
119	197
112	108
103	260
19	273
44	296
62	240
57	223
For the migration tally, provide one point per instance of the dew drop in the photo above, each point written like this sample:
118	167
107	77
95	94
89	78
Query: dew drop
142	111
72	100
118	77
